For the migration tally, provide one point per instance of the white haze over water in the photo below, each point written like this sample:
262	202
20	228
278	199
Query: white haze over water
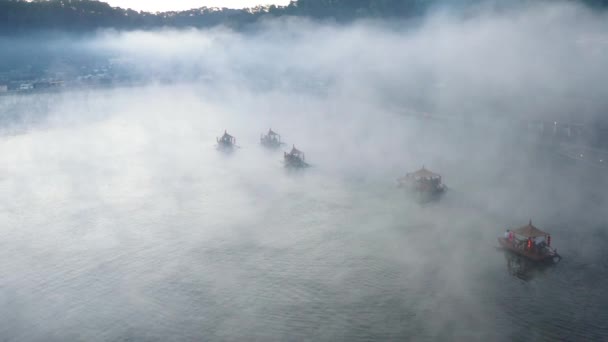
120	220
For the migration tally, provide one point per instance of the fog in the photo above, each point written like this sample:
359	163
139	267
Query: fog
120	220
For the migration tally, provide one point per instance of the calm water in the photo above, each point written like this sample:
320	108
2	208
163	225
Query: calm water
133	228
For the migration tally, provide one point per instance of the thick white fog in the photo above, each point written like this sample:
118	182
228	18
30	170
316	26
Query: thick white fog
120	220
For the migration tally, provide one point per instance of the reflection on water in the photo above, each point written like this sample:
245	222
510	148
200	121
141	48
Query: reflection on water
523	268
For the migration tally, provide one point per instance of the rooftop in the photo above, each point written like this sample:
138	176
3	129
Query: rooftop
424	173
529	231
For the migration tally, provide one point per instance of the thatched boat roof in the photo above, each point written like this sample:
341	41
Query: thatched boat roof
423	173
529	231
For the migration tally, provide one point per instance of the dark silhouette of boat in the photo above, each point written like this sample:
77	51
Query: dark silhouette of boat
226	142
423	182
271	140
295	159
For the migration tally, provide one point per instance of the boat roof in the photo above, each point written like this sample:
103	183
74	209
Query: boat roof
529	231
271	132
294	150
424	173
227	135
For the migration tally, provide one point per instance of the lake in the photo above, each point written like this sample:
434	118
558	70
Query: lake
119	220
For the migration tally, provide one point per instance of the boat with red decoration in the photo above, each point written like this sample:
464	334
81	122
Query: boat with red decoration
531	243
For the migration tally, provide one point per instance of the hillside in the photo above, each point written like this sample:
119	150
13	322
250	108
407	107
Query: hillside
19	16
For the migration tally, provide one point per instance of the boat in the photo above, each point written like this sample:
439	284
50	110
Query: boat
271	139
423	181
295	159
226	142
531	243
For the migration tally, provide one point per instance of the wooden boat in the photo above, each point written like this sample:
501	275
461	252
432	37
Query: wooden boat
271	139
531	243
423	181
295	159
226	142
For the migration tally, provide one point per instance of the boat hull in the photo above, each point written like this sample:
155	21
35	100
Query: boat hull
549	256
294	162
423	195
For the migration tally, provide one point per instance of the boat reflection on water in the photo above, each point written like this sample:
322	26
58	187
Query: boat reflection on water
524	268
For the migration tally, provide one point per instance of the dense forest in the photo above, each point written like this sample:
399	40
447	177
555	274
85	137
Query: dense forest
84	15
